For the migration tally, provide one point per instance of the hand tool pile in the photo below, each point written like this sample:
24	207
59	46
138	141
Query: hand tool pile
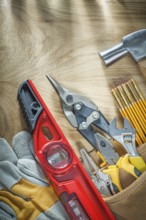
81	190
71	183
85	117
132	105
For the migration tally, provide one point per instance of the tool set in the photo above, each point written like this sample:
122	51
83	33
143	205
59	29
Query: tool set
81	190
85	117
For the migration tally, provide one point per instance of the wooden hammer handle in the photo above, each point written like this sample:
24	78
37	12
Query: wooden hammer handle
142	66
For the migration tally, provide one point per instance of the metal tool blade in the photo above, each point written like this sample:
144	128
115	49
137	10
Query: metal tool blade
61	91
69	100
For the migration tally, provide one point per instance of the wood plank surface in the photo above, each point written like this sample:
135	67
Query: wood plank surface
62	38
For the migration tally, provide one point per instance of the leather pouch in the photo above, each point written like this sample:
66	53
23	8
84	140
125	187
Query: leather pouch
130	204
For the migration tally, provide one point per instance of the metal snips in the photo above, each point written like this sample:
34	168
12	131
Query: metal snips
84	116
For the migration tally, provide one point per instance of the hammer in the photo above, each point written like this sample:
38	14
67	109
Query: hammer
133	44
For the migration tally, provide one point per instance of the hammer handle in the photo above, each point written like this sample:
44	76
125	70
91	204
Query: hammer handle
142	66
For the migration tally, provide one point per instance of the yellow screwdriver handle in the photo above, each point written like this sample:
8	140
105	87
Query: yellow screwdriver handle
113	172
125	164
138	162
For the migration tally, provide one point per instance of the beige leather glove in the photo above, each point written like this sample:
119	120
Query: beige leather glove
130	204
25	193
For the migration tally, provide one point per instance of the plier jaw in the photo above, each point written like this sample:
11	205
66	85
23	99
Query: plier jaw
101	180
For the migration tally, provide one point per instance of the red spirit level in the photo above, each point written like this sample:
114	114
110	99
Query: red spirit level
69	179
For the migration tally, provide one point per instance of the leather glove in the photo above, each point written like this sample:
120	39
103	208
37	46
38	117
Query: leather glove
25	193
130	204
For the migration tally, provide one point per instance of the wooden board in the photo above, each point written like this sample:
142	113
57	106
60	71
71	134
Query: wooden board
62	38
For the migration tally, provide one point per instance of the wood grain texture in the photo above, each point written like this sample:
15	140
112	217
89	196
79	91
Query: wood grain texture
62	38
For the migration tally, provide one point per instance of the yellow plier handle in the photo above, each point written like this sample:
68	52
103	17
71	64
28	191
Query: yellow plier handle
138	162
113	172
125	164
132	165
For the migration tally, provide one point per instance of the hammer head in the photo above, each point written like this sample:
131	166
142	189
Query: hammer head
134	43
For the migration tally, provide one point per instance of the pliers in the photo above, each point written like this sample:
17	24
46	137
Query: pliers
101	180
